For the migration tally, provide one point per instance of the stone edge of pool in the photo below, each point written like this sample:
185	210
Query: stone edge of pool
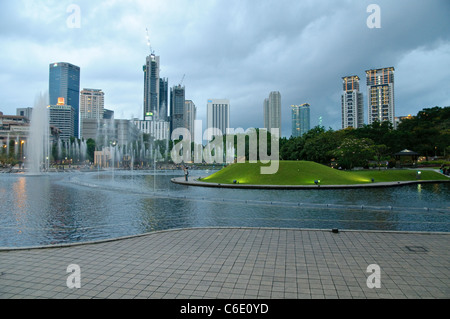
106	240
196	182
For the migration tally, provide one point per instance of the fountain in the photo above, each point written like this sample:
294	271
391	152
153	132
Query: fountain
38	146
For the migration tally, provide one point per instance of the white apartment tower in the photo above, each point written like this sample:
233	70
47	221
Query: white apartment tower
380	95
352	103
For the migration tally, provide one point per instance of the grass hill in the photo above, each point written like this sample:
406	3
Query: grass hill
305	173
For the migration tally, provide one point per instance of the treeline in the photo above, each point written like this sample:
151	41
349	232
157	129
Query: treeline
428	134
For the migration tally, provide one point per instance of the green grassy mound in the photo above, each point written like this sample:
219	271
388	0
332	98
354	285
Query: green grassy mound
305	173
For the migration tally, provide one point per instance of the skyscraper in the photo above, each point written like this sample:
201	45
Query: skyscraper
218	116
300	119
380	95
190	113
151	86
272	111
64	82
177	101
163	99
352	103
92	104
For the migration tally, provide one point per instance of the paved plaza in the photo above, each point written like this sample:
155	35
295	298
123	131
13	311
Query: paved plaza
236	263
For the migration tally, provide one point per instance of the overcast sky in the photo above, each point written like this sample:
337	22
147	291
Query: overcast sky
239	50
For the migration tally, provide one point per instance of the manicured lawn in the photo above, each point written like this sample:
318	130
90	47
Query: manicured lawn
305	173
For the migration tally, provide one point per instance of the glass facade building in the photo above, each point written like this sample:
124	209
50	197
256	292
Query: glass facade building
301	119
151	86
64	82
177	102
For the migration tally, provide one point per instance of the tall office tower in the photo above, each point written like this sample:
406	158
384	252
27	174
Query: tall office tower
380	95
64	81
300	119
190	113
163	99
352	103
272	111
62	116
218	116
92	104
151	86
177	100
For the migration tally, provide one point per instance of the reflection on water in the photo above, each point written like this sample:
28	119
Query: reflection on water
69	207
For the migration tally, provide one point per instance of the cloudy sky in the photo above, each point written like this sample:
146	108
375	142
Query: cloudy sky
239	50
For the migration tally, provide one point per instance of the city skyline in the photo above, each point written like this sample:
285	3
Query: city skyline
236	59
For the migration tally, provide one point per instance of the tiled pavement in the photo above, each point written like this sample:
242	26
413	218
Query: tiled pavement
237	263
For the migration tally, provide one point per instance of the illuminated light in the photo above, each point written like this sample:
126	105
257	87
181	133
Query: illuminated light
61	101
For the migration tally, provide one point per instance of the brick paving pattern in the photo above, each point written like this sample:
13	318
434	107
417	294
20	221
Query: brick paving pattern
237	263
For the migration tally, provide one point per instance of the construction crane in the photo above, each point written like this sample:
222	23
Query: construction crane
148	42
182	79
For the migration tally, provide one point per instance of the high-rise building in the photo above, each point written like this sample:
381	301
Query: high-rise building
380	95
190	113
352	103
151	86
177	101
92	104
163	99
218	116
300	119
272	111
64	82
62	116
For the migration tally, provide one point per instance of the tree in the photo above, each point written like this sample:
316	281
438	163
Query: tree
354	152
90	143
380	153
320	147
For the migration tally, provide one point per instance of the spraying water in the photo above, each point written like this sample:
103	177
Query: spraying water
38	146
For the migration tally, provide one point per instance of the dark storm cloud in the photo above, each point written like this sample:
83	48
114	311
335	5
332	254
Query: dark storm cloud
239	50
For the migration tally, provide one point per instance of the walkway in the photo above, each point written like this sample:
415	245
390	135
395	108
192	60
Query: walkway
235	263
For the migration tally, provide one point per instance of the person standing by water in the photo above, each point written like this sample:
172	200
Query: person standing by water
186	173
